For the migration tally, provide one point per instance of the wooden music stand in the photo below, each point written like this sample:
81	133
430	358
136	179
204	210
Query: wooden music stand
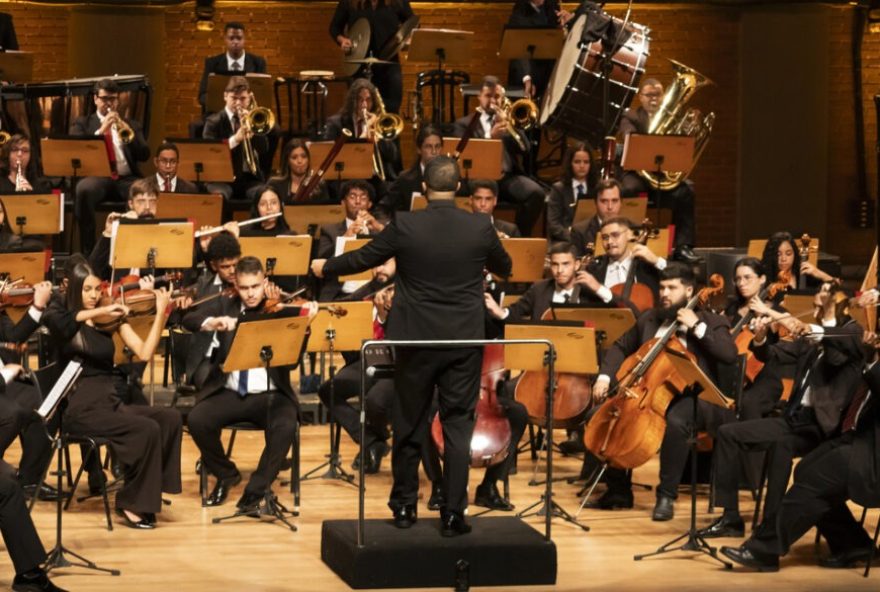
31	213
202	209
352	329
170	243
348	245
634	208
527	255
480	159
31	266
16	66
204	160
282	334
575	346
443	46
291	254
420	202
609	323
261	85
658	153
660	245
310	218
354	161
531	43
799	305
74	157
692	374
141	326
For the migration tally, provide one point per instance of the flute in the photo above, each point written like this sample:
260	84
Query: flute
217	229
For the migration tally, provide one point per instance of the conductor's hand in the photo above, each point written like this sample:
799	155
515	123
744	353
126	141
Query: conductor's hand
494	309
600	390
318	267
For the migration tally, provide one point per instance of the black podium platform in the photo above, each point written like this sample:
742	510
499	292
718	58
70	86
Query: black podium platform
501	551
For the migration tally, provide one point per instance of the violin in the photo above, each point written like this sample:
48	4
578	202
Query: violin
132	282
140	303
20	295
490	441
639	295
629	427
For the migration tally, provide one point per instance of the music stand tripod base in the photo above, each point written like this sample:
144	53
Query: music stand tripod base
270	510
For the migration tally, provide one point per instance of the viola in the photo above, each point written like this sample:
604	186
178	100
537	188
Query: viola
629	427
140	303
639	295
743	336
491	438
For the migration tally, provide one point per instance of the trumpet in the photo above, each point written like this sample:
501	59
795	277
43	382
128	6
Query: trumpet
123	130
259	121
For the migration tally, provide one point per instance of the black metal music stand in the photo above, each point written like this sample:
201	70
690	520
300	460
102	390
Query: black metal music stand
278	340
440	46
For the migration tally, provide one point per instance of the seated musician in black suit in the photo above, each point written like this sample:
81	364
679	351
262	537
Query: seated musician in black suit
233	61
228	125
829	360
357	198
515	186
484	198
167	160
608	205
223	398
18	171
576	184
296	168
429	143
22	541
704	334
843	468
124	158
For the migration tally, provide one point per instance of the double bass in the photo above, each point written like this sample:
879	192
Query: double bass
629	427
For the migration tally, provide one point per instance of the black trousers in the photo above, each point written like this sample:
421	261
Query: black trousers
210	415
90	191
18	417
456	375
680	200
817	498
22	541
784	438
389	82
760	397
528	197
347	385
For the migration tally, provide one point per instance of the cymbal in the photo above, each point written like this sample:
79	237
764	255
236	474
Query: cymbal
371	61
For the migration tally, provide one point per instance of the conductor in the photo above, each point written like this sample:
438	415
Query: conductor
441	253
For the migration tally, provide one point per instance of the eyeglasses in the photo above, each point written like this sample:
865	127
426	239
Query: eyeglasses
744	279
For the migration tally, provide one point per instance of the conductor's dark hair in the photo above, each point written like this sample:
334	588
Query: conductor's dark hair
223	246
233	25
442	174
107	85
248	265
678	271
563	247
75	282
484	184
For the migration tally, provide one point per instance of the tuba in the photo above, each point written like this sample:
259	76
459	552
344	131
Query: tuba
672	118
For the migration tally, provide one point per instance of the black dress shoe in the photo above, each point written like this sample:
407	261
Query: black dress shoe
436	501
755	561
44	492
572	446
150	517
249	501
664	509
404	516
612	500
724	527
141	524
375	453
847	558
686	254
221	490
453	524
488	496
34	581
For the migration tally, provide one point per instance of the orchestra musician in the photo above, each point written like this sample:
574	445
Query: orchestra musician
429	143
145	440
296	166
23	544
441	253
166	161
515	186
704	334
266	203
681	198
232	62
781	254
124	157
263	398
18	172
484	199
608	204
357	199
829	358
843	468
8	39
574	186
385	18
533	74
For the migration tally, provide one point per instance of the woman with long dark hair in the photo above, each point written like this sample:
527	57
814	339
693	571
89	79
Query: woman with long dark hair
145	440
296	164
781	254
576	183
266	203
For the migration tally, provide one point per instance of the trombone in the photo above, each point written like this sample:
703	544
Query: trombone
520	114
256	120
385	126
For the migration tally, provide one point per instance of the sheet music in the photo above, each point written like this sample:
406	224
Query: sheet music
70	374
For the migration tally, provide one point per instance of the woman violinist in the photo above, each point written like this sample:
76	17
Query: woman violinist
296	166
781	254
145	440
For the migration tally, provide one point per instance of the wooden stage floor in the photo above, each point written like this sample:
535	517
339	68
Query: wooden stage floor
188	553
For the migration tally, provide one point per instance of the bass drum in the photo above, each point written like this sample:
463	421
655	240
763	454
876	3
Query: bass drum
573	102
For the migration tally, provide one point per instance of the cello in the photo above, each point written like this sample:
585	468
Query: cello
639	295
491	438
628	429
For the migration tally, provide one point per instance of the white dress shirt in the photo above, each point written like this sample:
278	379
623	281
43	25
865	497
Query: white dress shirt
161	180
230	63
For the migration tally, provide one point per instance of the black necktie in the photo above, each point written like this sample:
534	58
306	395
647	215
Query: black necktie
581	191
236	123
566	298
